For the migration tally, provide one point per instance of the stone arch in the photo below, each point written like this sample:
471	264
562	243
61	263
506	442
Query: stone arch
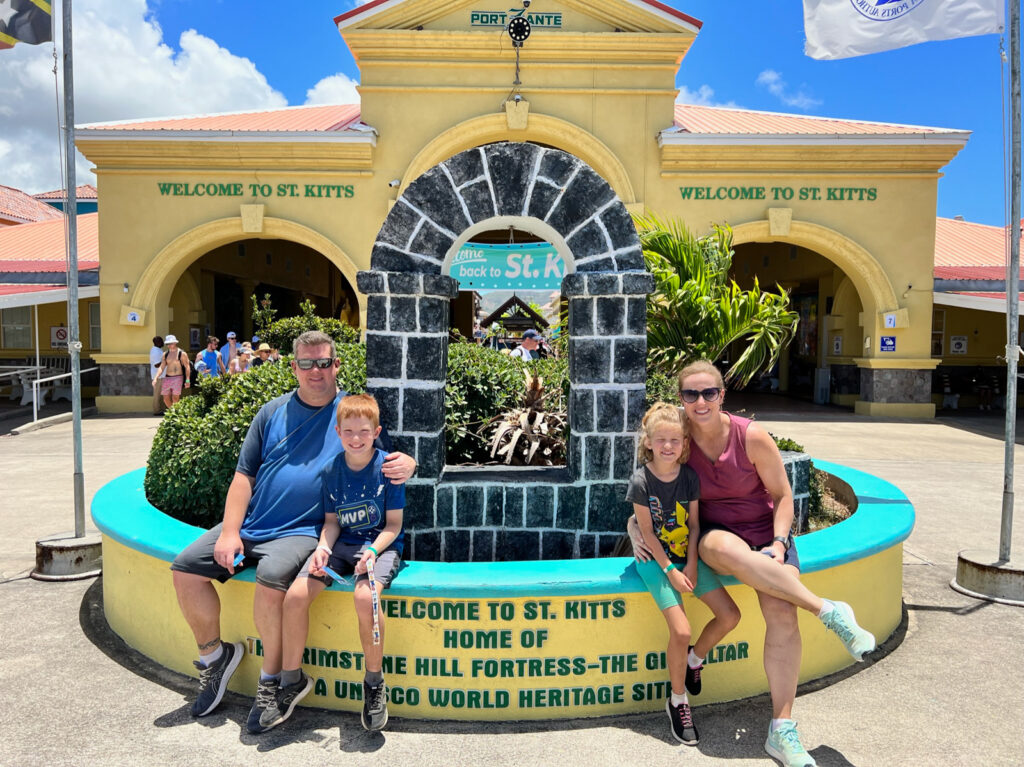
542	129
575	511
153	290
508	179
861	268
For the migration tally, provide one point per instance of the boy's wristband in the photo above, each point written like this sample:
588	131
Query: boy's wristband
375	554
325	548
669	566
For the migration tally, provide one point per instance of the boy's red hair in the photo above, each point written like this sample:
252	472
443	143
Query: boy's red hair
359	406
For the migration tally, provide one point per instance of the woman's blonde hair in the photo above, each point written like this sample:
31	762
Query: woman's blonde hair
659	413
700	366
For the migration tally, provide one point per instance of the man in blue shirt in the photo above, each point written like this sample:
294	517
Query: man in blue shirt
272	517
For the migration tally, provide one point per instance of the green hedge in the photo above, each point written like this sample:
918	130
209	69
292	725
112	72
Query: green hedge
196	448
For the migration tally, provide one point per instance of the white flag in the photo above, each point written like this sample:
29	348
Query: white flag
838	29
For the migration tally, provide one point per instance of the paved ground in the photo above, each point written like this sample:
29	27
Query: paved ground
948	692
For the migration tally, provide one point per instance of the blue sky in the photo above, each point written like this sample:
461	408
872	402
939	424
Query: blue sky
190	56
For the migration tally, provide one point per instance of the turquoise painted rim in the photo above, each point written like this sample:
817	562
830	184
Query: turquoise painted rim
883	519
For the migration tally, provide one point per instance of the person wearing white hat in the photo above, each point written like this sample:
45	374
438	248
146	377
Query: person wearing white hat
230	349
175	368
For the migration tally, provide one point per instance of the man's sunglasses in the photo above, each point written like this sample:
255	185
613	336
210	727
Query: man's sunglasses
323	363
709	395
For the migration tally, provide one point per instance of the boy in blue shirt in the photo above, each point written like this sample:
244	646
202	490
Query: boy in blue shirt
362	530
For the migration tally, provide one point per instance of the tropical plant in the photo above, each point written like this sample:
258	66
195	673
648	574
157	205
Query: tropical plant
262	314
281	333
529	435
696	311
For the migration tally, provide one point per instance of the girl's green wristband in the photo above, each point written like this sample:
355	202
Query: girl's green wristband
669	566
375	554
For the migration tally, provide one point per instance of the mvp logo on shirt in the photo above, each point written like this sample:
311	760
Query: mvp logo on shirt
357	516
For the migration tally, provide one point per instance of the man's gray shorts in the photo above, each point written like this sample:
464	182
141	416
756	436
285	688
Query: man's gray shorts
277	561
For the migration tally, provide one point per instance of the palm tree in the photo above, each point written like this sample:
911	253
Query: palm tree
696	311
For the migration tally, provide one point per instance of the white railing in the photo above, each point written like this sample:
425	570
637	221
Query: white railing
37	381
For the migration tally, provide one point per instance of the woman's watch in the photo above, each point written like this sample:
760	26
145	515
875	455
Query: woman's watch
785	541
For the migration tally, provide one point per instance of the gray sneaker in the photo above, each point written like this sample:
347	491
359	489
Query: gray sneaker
856	640
266	695
375	706
284	702
213	679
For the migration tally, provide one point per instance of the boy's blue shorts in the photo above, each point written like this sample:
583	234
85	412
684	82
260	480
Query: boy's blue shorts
664	595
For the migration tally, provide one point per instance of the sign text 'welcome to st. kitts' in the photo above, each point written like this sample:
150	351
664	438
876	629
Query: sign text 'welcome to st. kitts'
238	189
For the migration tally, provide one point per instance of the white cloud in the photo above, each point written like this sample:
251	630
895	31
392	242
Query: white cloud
123	70
336	89
778	87
704	96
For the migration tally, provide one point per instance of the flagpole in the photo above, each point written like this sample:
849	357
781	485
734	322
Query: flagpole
1012	285
71	211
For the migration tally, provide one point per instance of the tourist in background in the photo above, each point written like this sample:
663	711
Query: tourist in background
156	356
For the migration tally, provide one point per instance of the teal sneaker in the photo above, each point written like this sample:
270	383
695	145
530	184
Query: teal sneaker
784	744
856	640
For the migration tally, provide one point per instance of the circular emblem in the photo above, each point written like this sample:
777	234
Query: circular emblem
519	29
133	316
885	10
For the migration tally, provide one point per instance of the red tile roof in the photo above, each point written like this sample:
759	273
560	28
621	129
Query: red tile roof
17	207
83	192
968	251
13	290
704	120
39	247
333	118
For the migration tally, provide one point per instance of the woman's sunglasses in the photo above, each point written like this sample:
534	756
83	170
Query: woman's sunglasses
323	363
709	395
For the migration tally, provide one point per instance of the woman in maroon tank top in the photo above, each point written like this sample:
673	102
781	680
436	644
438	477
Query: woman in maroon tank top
746	508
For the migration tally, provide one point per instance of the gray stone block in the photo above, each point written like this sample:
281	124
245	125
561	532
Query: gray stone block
557	545
598	458
608	510
636	406
479	201
402	313
377	312
419	507
603	284
426	547
606	543
517	545
629	260
494	506
540	506
456	545
403	443
623	457
590	360
444	508
433	315
581	410
575	456
483	545
383	356
611	410
574	284
399	224
369	282
542	200
602	265
440	285
426	359
514	500
619	224
423	410
385	258
387	401
637	283
572	507
587	545
429	456
125	380
511	166
636	317
465	166
558	166
584	195
431	240
433	194
581	317
403	283
588	241
469	506
630	360
610	316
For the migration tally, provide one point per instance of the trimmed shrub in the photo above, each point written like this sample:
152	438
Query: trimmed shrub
196	448
282	333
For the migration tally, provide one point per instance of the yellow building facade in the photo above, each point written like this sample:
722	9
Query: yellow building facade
841	213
